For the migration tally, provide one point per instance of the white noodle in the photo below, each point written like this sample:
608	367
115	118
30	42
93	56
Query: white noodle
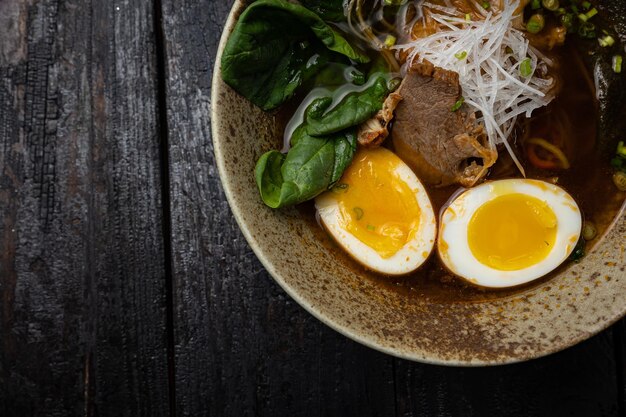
489	75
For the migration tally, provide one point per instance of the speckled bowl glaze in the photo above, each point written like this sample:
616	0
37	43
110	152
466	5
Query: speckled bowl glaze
581	300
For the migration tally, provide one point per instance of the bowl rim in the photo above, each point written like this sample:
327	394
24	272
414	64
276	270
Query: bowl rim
217	87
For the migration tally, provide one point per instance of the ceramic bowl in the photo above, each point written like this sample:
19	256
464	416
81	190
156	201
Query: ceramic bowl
485	329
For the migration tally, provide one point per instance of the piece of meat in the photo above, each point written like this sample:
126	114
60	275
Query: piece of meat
442	146
375	130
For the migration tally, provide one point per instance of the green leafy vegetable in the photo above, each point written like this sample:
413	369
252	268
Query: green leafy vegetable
275	47
312	165
331	10
354	109
321	148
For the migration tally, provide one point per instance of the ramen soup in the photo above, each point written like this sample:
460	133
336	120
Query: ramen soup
455	149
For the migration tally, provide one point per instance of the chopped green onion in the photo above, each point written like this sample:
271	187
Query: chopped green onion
606	41
390	41
458	104
460	55
560	11
359	212
468	17
535	4
526	68
574	8
486	5
370	228
583	17
589	231
621	149
586	5
591	13
587	30
567	20
535	23
551	5
617	64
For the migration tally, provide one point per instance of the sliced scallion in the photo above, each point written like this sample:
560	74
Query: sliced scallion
535	4
535	23
526	68
617	64
486	5
606	41
458	104
551	5
591	13
460	55
390	41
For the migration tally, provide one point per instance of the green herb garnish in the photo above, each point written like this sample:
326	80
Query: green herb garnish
458	104
526	68
551	5
617	64
390	41
535	23
359	212
460	55
605	41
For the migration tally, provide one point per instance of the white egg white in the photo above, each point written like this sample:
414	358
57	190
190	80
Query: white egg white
410	257
453	246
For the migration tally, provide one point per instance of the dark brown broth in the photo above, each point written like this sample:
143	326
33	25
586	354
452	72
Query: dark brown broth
588	181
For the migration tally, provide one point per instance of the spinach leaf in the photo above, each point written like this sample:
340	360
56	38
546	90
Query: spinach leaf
275	47
331	10
310	167
353	110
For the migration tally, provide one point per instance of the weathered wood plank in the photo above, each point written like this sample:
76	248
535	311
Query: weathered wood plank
580	381
243	347
82	281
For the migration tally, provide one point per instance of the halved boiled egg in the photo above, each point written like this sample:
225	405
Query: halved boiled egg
508	232
380	214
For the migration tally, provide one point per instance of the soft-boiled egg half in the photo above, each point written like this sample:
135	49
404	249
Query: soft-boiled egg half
508	232
380	214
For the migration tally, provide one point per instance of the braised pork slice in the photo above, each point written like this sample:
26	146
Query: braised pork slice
375	130
442	146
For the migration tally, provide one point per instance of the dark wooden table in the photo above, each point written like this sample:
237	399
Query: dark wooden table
126	288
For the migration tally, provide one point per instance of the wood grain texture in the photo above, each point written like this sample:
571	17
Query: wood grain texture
243	348
82	282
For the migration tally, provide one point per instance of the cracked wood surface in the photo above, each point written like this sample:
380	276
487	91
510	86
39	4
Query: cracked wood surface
84	327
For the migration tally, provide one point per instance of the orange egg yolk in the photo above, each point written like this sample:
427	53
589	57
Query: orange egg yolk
512	232
376	205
